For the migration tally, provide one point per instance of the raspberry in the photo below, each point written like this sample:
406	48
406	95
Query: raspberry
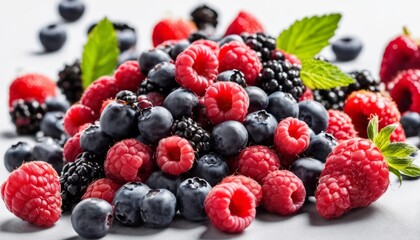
103	188
332	196
72	148
307	95
174	155
291	136
406	91
398	135
230	207
244	23
249	183
76	116
257	161
340	125
208	43
32	193
171	29
196	68
237	55
283	192
31	86
128	76
128	161
226	101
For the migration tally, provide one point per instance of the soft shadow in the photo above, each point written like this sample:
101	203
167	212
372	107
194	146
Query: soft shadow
212	233
8	134
74	238
181	223
265	216
118	228
15	225
39	52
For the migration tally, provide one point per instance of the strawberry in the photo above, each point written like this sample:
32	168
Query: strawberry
172	29
244	22
356	172
406	91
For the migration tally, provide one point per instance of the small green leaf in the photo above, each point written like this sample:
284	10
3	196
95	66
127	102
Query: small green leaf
323	75
398	149
307	37
396	173
411	171
382	139
399	163
100	53
372	130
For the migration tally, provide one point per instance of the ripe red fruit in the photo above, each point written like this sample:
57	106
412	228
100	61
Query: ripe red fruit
77	116
249	183
103	188
174	155
172	29
406	91
128	76
257	162
291	136
72	148
244	22
340	125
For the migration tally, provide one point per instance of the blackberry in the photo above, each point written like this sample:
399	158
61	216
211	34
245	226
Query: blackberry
198	137
27	115
261	43
147	87
277	75
127	96
70	82
75	178
203	16
331	98
363	80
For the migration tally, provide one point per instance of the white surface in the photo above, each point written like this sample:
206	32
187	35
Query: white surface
395	216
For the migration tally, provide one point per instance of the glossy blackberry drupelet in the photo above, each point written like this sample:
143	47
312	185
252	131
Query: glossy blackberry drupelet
159	179
229	137
261	43
197	136
211	167
127	96
150	58
71	10
27	115
331	98
52	37
52	125
16	155
190	198
363	80
118	120
261	126
258	99
70	82
308	170
95	141
282	105
182	103
320	146
155	123
204	16
277	75
158	208
410	121
75	178
232	76
313	114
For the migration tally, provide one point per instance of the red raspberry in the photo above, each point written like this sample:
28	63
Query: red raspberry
244	22
237	55
211	44
32	193
291	137
307	95
226	101
283	192
340	125
128	76
230	207
196	68
332	196
258	161
249	183
103	188
76	116
174	155
99	91
31	86
172	29
72	148
128	160
406	91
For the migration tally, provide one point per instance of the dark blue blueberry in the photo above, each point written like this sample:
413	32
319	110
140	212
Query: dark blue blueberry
92	218
155	123
159	179
50	152
229	138
182	103
162	77
261	127
211	167
234	75
258	99
198	35
127	96
16	155
347	48
52	37
158	208
190	198
282	105
230	38
149	59
308	170
71	10
314	114
320	146
118	120
56	104
178	48
411	123
128	55
127	203
126	39
143	140
95	141
52	124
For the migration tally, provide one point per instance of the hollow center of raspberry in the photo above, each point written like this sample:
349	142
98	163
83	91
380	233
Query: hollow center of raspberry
200	66
224	101
174	153
239	204
404	100
294	131
295	197
361	122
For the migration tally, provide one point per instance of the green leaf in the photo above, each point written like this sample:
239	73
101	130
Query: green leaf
396	173
411	171
100	53
307	37
399	163
382	140
398	149
323	75
372	130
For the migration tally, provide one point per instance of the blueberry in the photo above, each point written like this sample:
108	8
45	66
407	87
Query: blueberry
229	137
155	123
410	121
230	38
128	55
71	10
126	39
282	105
158	208
52	124
211	167
52	37
308	170
127	203
198	35
159	179
178	48
162	77
190	198
314	114
320	146
261	127
50	152
258	99
92	218
118	120
16	155
347	48
56	104
95	141
182	103
149	59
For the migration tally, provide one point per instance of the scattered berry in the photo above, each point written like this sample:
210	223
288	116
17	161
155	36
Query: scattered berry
126	96
332	98
174	155
71	10
103	188
291	137
197	136
52	124
340	125
308	170
72	148
229	38
190	198
229	138
257	162
70	81
347	48
27	115
211	167
258	99
160	179
406	91
162	79
261	43
410	121
52	37
128	76
320	146
118	120
158	208
261	127
50	152
95	141
171	29
150	58
249	183
313	114
31	86
282	105
204	17
155	123
244	22
56	104
181	103
363	80
234	75
16	155
77	116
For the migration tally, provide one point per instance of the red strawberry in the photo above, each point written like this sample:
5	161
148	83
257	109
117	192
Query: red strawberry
244	22
406	91
172	29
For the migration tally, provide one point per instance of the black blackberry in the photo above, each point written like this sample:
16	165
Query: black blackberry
277	75
363	80
232	76
198	137
146	87
261	43
331	98
127	96
76	177
27	115
70	82
204	16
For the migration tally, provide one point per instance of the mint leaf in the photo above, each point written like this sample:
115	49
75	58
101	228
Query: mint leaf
412	171
382	140
307	37
398	149
317	74
399	163
100	53
372	130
